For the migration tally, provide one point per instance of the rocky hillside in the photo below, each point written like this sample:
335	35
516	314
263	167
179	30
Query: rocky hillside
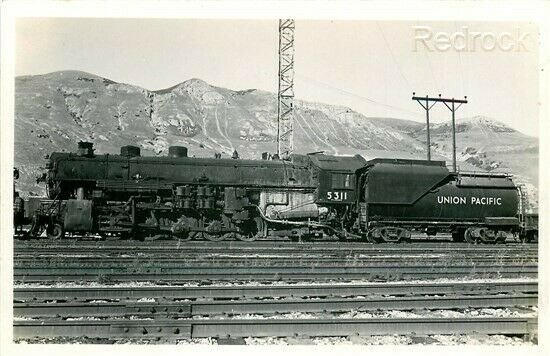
56	110
491	146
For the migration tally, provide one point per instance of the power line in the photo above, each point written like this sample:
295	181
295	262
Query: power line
345	92
396	63
436	83
459	70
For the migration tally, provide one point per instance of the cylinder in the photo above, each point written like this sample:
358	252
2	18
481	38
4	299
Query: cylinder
130	151
177	151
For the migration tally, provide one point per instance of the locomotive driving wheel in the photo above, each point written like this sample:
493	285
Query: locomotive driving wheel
252	230
55	231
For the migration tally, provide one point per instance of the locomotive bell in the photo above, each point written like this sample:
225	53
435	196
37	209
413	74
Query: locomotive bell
177	151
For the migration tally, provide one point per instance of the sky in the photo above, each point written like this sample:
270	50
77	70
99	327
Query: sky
372	67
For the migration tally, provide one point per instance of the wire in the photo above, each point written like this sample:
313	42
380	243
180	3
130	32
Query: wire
431	69
459	71
345	92
395	61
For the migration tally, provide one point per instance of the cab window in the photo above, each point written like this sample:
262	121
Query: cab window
341	180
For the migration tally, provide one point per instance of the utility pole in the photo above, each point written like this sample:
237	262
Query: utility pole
285	104
424	102
426	107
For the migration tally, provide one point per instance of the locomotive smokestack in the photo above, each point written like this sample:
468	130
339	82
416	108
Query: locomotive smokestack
177	151
85	149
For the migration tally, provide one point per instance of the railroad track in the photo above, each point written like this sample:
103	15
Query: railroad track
318	272
180	312
177	319
231	328
261	247
66	294
210	260
105	258
186	309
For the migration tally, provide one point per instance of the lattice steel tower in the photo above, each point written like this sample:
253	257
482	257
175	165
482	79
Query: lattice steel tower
285	105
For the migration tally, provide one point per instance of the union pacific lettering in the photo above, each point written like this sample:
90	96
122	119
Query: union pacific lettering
472	200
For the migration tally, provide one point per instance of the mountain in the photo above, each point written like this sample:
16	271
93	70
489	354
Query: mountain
487	144
56	110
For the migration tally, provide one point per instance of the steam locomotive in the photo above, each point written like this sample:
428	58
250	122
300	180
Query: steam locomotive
313	195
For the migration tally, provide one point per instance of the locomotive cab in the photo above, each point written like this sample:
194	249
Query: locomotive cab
337	178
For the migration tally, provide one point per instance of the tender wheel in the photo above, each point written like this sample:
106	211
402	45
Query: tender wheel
393	234
55	231
469	236
501	237
488	236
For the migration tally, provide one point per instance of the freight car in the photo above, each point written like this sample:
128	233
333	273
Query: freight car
382	200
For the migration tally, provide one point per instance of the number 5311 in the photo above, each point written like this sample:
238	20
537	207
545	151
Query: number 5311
337	195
